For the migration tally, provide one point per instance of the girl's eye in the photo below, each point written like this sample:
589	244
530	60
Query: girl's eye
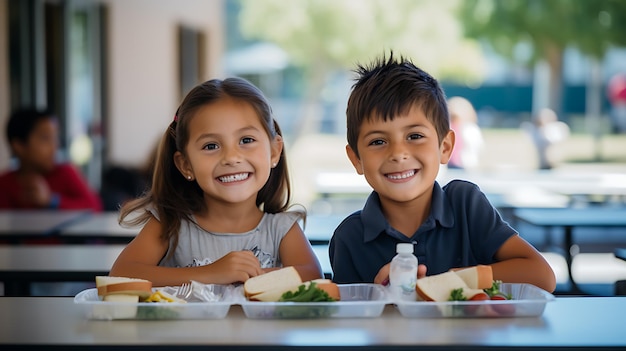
247	140
376	142
415	136
211	146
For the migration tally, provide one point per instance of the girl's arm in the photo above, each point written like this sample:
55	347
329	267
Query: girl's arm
140	259
295	250
520	262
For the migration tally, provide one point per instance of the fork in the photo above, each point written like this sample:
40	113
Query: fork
184	291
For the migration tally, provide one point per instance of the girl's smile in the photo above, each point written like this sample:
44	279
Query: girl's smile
232	178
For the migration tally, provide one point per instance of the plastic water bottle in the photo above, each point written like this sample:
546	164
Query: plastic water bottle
403	273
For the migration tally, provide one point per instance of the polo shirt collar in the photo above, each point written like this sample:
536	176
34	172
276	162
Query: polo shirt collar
375	223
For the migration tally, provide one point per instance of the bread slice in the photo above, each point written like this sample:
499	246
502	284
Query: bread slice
272	283
477	277
438	287
124	306
123	286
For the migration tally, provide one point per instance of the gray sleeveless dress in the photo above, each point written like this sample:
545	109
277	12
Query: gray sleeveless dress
198	247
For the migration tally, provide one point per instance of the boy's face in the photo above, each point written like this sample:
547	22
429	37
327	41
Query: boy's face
400	159
39	151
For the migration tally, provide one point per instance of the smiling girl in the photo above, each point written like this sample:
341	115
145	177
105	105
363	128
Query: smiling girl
217	209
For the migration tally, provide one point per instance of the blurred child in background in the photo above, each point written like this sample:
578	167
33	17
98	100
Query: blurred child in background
39	181
469	139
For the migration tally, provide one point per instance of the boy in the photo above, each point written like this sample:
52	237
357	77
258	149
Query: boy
39	182
398	134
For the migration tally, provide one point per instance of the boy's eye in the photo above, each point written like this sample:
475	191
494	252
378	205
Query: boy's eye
210	146
376	142
415	136
247	140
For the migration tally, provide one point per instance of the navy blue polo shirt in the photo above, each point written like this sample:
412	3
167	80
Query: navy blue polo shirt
463	229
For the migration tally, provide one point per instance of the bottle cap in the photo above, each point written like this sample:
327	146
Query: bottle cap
404	248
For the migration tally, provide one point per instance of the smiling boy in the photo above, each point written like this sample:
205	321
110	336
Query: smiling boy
399	133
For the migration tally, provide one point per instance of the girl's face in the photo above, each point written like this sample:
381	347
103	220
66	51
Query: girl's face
229	153
400	158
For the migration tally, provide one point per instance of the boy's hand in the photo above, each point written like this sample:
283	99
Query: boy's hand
383	274
34	190
235	267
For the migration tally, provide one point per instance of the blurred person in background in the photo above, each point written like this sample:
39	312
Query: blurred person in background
617	97
545	130
469	139
39	181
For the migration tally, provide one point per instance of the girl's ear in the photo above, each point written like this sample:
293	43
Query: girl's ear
277	149
183	165
356	161
447	145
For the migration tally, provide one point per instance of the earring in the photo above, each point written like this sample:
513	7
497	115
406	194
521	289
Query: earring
188	177
273	164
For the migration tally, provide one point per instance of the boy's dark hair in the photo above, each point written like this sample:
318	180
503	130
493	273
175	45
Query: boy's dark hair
22	122
174	197
389	88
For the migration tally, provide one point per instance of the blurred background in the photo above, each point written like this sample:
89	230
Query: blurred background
114	71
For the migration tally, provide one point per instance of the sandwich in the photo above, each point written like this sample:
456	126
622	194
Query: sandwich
468	284
123	288
271	286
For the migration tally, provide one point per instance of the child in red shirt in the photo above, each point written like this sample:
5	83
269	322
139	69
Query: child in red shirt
40	182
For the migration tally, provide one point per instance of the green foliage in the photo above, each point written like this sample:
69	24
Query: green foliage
324	35
591	26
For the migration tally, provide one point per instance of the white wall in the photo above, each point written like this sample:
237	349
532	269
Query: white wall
143	65
143	70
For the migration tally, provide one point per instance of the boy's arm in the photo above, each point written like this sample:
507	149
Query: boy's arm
520	262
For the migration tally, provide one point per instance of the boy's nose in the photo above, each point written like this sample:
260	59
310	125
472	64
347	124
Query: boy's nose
398	152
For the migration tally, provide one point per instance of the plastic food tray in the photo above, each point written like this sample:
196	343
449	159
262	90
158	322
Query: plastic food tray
94	308
528	301
357	301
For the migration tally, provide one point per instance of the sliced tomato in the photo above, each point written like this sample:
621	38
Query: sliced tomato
502	309
471	310
479	297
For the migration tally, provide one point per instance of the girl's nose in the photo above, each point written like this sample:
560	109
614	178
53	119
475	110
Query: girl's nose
231	156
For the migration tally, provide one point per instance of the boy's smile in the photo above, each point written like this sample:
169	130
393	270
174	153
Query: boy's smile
400	158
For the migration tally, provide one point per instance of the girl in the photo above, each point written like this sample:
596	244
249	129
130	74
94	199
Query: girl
216	212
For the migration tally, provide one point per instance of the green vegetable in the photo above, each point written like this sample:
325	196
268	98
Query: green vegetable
457	295
495	290
306	294
152	312
310	293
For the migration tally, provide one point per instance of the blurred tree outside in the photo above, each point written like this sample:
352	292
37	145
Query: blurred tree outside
326	36
549	28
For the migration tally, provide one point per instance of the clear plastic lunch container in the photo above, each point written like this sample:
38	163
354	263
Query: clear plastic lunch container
527	301
94	308
357	301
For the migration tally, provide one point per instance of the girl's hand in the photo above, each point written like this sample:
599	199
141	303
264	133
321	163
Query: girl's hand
235	267
383	274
